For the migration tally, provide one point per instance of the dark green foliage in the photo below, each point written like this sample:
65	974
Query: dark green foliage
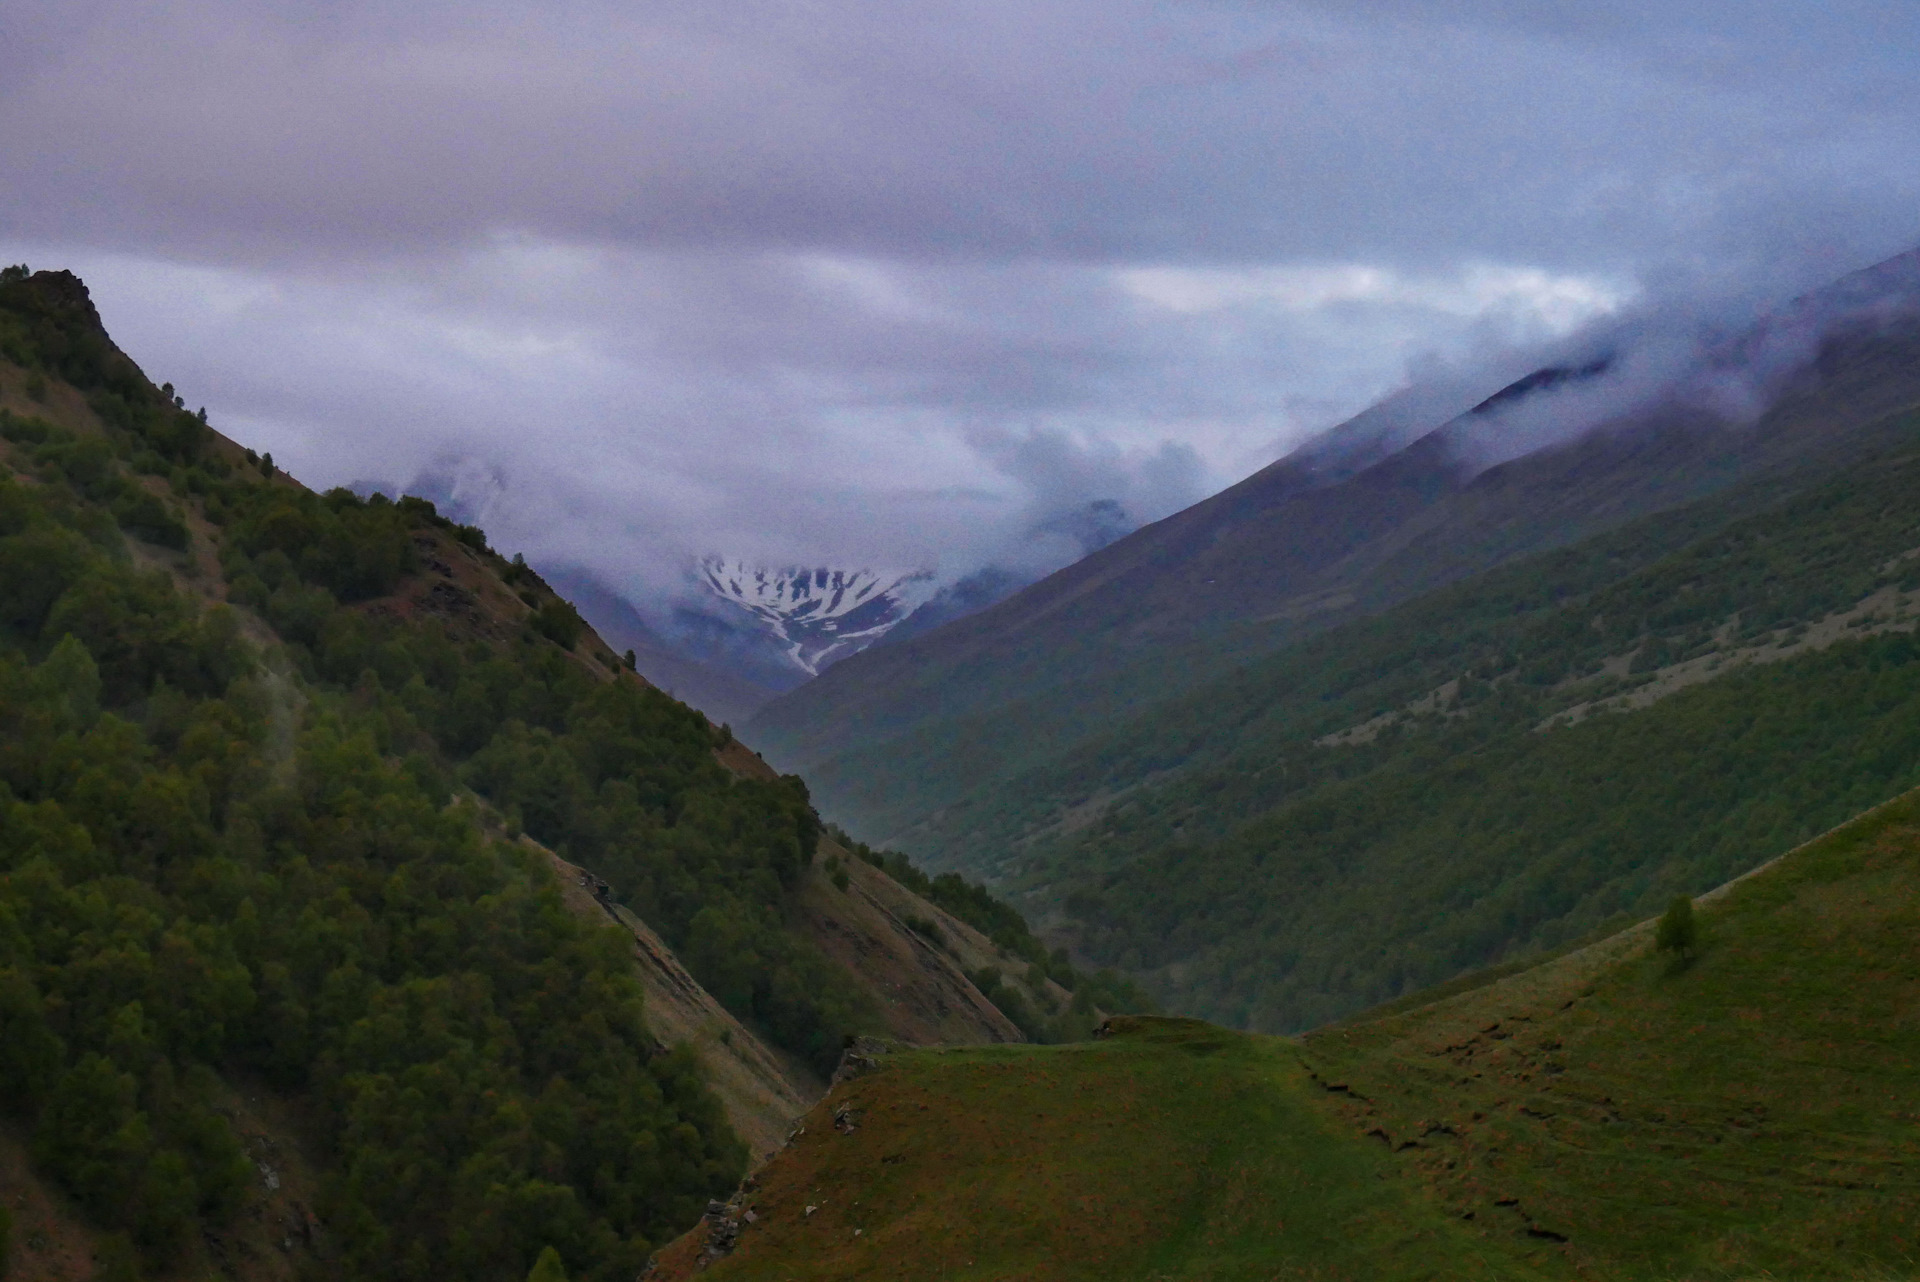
202	864
90	467
115	1260
1678	932
210	862
171	899
548	1268
147	517
559	622
622	779
351	548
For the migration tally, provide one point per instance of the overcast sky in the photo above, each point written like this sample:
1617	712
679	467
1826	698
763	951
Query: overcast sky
888	284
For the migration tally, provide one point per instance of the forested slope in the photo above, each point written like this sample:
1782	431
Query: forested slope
264	757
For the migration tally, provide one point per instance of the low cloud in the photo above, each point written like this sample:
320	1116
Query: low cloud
855	284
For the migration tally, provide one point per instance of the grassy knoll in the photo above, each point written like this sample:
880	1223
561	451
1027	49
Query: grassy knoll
1755	1112
1751	1112
1176	1150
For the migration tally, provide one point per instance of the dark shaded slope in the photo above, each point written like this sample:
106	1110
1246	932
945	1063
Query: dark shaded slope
263	757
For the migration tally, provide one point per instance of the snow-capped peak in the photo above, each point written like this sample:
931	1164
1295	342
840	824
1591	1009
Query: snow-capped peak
820	614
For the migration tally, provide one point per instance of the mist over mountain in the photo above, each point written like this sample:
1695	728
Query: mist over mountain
1437	483
728	635
732	640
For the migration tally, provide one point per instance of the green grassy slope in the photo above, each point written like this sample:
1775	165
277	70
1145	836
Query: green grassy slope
1754	1112
1774	555
1176	1151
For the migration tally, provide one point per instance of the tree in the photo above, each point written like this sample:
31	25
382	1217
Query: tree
1678	932
548	1268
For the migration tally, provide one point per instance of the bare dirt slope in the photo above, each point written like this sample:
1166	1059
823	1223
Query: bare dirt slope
762	1089
919	983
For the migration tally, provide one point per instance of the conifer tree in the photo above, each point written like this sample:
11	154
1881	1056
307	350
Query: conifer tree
1678	933
548	1268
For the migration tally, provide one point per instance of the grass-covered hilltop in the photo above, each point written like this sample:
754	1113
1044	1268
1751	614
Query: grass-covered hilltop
361	914
1745	1107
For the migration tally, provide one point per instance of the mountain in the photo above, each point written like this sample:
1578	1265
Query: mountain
747	634
817	616
1742	1108
1398	502
352	888
1498	766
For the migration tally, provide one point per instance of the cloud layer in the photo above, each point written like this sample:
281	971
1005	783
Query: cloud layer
892	286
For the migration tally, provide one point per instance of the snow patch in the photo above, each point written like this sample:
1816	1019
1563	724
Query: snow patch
819	614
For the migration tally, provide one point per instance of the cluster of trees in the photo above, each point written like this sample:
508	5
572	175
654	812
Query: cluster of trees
216	859
208	865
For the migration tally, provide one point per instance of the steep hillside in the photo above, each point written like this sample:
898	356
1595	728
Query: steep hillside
1745	1109
725	697
1501	766
894	734
272	942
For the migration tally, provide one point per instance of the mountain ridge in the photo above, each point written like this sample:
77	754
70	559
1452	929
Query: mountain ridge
1310	540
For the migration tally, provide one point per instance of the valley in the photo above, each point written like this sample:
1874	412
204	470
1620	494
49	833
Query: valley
365	912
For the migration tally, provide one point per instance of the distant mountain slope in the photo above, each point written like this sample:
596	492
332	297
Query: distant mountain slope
1376	514
1495	767
1748	1111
